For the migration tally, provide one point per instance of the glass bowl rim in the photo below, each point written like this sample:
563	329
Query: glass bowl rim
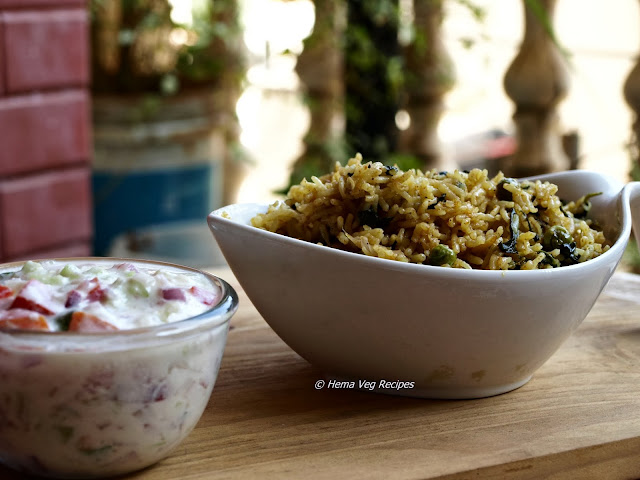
216	316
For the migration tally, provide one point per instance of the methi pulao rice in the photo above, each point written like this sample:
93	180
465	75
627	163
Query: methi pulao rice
460	219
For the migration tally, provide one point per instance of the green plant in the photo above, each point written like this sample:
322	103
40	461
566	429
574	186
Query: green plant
139	46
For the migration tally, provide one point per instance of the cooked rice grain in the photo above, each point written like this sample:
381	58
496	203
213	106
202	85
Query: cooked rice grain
381	211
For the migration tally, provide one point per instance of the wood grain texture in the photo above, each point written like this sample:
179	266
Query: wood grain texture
579	417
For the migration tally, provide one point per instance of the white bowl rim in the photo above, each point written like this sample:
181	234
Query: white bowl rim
615	250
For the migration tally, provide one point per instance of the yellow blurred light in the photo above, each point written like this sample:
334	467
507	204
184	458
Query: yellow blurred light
178	37
182	11
403	120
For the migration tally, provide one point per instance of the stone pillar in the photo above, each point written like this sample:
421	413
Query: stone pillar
537	81
230	52
631	91
320	68
429	76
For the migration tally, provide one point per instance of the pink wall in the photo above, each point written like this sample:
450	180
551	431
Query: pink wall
45	129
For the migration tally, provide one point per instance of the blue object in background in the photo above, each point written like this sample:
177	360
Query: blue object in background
127	201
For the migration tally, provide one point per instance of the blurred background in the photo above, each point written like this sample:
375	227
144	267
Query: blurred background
124	122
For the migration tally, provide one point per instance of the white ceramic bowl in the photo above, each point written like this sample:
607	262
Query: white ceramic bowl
452	333
79	405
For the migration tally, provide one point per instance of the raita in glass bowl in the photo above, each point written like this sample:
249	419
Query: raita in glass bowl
106	364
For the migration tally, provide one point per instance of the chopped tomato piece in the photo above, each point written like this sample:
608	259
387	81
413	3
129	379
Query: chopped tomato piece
5	292
38	297
96	293
205	296
21	319
85	322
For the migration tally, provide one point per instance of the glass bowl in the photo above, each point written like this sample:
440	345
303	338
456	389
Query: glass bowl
100	404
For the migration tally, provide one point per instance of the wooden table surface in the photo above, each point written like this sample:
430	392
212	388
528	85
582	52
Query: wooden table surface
578	418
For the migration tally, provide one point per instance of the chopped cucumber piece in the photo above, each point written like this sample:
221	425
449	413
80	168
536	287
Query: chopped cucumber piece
136	288
70	271
55	280
33	270
30	266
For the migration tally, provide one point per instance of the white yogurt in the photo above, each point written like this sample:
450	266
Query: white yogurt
122	296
